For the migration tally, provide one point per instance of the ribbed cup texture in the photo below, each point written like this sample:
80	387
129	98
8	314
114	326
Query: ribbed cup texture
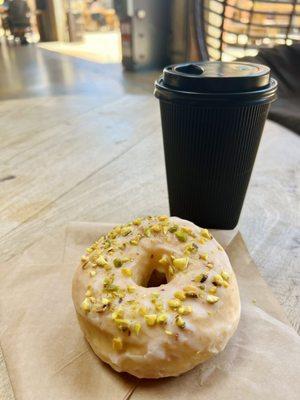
209	155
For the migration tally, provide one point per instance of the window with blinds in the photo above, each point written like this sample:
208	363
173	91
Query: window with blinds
237	28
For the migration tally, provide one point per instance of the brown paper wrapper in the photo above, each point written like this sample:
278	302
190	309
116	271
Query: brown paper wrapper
48	358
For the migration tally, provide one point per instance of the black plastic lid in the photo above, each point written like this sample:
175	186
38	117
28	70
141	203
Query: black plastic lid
216	76
215	79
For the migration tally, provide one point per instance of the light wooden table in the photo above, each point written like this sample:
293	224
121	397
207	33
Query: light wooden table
82	141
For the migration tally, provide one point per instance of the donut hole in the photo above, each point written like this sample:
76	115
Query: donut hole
157	278
151	273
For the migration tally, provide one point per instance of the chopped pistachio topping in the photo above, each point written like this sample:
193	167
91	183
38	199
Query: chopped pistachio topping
130	289
112	288
119	313
181	263
93	265
180	322
165	229
107	281
179	294
107	244
173	228
217	280
113	235
108	284
86	304
143	311
171	270
213	290
137	327
191	248
211	299
126	230
121	293
155	228
122	324
150	319
190	291
102	256
158	306
225	276
187	230
205	233
201	278
163	218
118	229
164	260
174	303
101	261
147	232
117	344
192	294
105	301
99	308
126	272
184	310
118	262
162	318
181	236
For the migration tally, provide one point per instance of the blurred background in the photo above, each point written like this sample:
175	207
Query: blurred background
150	33
144	35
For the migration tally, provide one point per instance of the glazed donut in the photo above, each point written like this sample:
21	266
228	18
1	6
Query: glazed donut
156	297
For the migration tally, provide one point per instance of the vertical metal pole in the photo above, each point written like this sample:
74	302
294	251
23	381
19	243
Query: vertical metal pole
290	21
249	25
200	28
222	29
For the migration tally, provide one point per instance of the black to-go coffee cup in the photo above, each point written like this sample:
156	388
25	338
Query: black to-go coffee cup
212	114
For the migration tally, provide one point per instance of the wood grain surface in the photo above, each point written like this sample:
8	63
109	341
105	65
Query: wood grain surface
82	141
